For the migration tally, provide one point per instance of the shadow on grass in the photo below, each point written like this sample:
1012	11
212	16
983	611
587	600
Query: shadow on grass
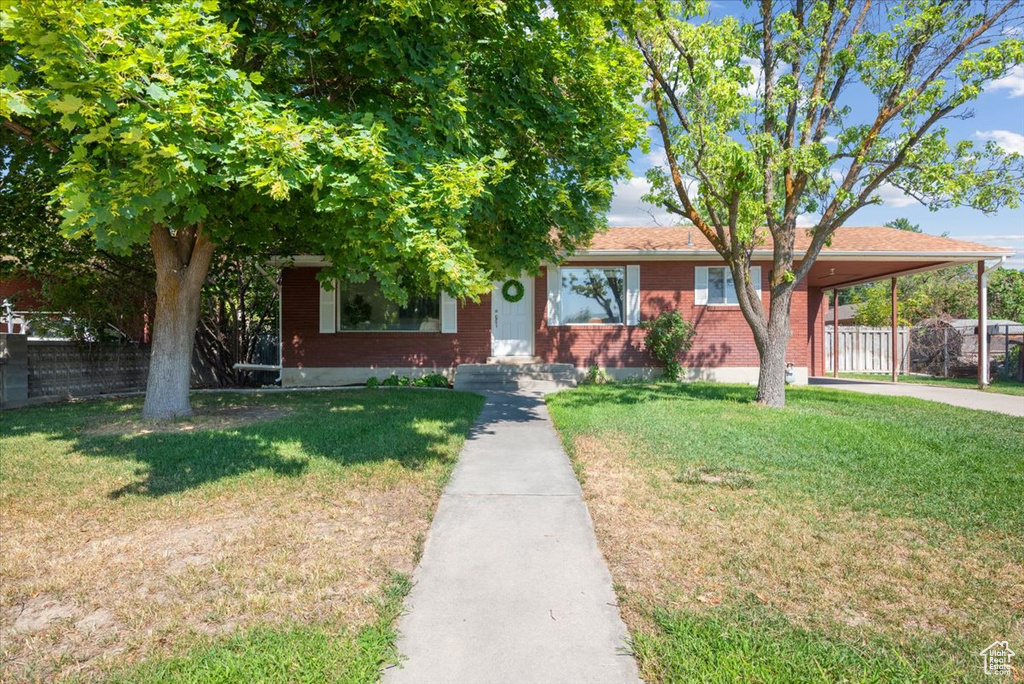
629	393
410	428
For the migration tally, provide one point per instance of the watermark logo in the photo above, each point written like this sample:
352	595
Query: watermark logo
997	658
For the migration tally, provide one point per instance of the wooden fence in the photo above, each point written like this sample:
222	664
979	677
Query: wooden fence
866	350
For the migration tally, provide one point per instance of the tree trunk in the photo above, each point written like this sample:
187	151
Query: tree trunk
771	348
182	262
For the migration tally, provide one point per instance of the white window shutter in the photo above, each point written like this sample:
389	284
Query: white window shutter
554	296
449	313
633	295
700	286
755	277
329	309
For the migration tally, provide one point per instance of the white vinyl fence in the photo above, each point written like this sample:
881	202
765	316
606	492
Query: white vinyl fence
866	350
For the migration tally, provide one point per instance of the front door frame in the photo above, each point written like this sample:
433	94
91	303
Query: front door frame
529	295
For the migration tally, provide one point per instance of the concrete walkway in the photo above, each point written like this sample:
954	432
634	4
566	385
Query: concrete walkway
512	586
956	396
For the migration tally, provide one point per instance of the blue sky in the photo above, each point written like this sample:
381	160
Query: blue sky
998	114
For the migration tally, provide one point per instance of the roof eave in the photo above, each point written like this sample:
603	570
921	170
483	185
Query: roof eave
699	254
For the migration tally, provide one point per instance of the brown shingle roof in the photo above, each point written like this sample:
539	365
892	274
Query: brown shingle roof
845	240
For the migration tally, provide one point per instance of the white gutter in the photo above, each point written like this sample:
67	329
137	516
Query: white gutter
767	254
313	260
983	378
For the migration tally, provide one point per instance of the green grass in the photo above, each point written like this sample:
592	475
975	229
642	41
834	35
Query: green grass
318	437
998	386
755	645
243	522
893	455
781	545
296	653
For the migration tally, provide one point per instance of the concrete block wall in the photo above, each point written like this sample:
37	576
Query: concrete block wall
13	370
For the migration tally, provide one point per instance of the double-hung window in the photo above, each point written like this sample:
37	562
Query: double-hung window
713	285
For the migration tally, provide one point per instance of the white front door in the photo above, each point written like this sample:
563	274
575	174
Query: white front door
512	322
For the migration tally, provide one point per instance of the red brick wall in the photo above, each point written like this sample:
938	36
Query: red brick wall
304	347
817	312
723	336
23	293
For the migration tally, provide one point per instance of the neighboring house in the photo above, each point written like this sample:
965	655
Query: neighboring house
847	314
586	311
18	297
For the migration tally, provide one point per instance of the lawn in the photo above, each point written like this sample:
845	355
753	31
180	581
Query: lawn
268	539
846	537
998	386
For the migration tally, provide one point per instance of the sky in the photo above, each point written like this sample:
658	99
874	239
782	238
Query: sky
998	114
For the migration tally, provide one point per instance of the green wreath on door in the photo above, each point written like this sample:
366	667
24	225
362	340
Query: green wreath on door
512	291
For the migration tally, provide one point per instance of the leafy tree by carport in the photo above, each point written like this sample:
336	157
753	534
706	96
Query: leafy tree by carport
810	109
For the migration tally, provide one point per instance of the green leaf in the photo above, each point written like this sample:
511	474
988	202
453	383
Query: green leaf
16	103
157	92
9	75
68	104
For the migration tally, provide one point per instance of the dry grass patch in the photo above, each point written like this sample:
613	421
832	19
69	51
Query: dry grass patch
207	418
695	545
843	538
98	573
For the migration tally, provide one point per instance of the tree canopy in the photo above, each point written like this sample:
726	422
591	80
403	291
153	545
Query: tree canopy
806	110
429	145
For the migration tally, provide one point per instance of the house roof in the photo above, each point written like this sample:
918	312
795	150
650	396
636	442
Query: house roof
995	326
847	312
861	242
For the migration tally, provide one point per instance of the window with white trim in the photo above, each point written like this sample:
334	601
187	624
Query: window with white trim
592	295
714	285
362	306
721	289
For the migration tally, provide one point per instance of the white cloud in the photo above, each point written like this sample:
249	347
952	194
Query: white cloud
753	88
1012	31
1008	140
807	220
1014	242
629	210
1013	82
657	157
830	140
892	196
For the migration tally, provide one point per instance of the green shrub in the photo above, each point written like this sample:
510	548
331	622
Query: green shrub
669	336
396	381
372	382
596	376
431	380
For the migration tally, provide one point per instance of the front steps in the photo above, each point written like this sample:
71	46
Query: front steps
508	377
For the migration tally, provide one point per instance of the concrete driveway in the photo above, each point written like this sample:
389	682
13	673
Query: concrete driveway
955	396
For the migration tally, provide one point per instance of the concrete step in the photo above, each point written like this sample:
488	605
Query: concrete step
536	377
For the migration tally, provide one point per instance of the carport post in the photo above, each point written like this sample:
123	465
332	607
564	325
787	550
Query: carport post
895	336
835	333
982	327
983	379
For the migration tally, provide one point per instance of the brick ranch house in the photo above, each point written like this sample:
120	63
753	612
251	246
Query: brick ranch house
586	311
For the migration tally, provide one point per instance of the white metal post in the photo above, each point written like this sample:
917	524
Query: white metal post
983	379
